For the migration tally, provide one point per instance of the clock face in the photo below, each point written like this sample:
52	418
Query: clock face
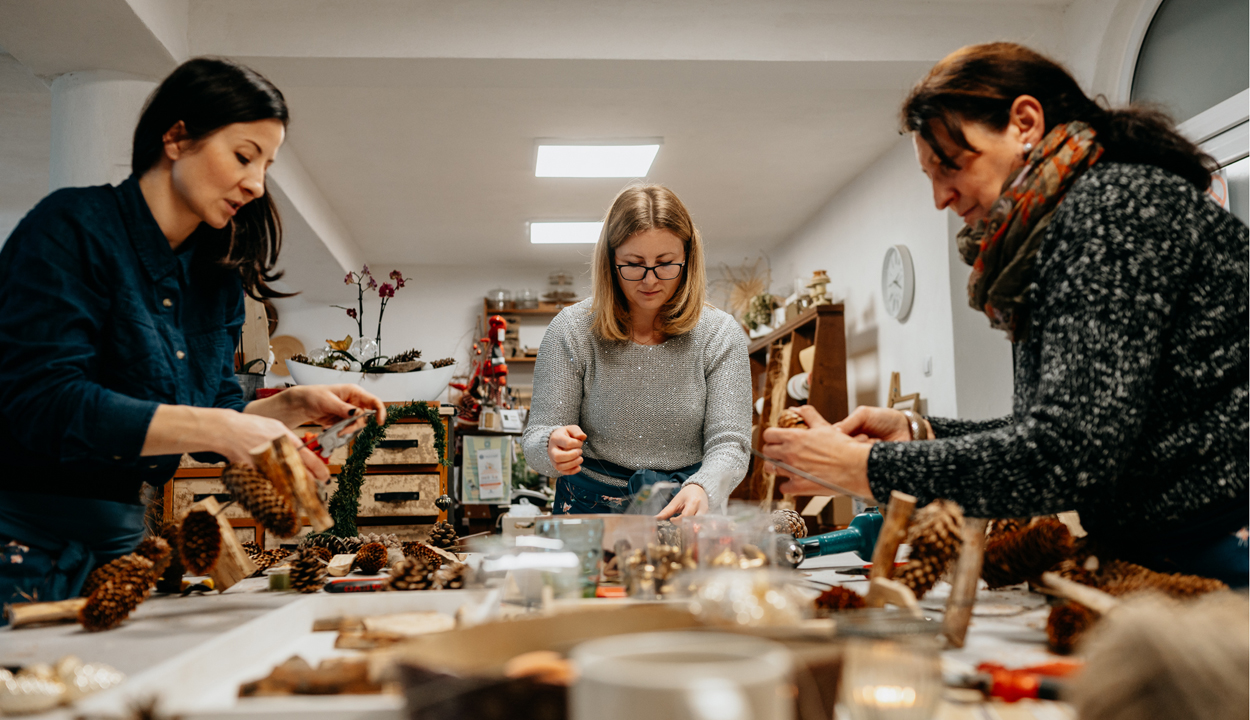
897	282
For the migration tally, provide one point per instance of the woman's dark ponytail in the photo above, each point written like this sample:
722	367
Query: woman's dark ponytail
206	94
979	83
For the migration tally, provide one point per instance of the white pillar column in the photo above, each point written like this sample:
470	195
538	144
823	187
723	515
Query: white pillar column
94	114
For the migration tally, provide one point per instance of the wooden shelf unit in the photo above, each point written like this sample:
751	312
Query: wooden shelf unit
548	310
385	467
822	326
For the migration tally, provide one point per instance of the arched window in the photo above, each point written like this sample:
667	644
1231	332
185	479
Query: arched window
1195	61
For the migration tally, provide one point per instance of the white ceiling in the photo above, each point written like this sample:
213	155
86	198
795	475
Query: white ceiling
416	119
433	160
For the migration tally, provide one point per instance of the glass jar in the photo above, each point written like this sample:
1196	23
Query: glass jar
527	300
892	668
498	299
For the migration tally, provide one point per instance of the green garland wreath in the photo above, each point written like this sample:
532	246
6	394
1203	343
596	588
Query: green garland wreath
345	502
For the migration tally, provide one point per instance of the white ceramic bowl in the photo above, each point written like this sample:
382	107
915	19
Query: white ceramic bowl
426	384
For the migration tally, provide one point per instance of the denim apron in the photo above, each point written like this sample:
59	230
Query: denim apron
48	544
582	494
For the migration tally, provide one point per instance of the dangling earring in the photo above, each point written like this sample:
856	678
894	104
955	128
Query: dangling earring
1028	148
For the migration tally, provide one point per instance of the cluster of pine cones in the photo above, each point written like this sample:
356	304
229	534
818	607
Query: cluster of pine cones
265	559
416	573
444	362
114	590
403	357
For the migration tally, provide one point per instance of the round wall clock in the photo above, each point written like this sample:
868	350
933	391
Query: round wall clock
898	282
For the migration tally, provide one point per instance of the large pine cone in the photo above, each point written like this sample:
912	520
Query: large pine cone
443	535
199	542
1066	625
114	600
308	572
1014	557
170	581
158	550
411	573
259	497
371	558
1118	577
451	577
790	418
935	536
789	522
335	544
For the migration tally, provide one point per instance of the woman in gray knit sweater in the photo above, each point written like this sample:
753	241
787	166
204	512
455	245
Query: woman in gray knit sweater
644	382
1124	292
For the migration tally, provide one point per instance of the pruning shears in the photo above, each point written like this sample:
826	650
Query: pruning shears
337	435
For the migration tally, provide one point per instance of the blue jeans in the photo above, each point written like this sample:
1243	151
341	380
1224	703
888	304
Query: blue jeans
577	496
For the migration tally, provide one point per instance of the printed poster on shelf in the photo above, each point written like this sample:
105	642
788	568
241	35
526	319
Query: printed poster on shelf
487	473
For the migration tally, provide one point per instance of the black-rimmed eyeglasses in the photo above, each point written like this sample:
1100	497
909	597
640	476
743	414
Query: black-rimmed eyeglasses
636	273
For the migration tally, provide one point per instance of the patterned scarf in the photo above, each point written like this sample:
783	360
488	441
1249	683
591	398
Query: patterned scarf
1002	248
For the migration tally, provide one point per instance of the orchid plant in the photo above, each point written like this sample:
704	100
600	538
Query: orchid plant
364	282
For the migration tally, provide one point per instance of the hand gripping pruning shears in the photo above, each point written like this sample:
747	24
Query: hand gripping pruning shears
337	435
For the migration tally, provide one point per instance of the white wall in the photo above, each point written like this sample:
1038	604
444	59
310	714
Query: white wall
438	312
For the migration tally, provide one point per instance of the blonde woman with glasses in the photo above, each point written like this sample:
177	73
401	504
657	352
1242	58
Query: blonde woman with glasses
643	382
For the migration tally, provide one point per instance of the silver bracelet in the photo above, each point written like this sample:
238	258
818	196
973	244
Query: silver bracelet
914	425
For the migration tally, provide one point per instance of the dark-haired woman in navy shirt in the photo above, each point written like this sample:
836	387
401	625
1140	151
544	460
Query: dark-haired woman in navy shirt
120	308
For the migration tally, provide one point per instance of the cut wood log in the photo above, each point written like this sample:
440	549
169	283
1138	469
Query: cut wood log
39	613
281	463
964	586
340	565
883	591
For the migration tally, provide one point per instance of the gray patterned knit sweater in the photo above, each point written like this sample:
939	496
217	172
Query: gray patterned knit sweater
1130	401
657	407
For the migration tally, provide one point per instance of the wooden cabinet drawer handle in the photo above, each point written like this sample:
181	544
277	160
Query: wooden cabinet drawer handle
396	496
398	444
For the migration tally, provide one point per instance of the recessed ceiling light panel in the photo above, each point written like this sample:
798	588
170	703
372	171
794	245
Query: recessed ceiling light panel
607	159
551	233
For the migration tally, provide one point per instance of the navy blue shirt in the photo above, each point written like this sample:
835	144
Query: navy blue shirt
101	322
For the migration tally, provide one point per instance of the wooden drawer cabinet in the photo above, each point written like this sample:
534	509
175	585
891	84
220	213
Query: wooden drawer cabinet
402	481
400	494
405	444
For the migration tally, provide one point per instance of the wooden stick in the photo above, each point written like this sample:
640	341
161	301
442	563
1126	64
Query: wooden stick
884	590
233	564
281	463
1092	598
964	587
893	532
36	613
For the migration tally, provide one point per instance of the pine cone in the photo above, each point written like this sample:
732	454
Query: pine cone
405	356
388	540
259	497
839	598
335	544
1118	577
443	362
113	601
252	549
170	581
322	552
308	572
199	541
371	558
935	536
269	558
423	551
443	535
790	523
411	573
1066	625
451	577
1003	526
1014	557
790	418
158	550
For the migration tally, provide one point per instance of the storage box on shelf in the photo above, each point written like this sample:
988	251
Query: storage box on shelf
402	481
824	328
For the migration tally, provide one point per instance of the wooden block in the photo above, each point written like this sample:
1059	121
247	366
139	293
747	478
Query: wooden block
893	532
883	591
38	613
280	462
340	565
1097	600
233	564
964	587
254	335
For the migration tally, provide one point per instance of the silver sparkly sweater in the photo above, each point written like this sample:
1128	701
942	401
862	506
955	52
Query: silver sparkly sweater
659	407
